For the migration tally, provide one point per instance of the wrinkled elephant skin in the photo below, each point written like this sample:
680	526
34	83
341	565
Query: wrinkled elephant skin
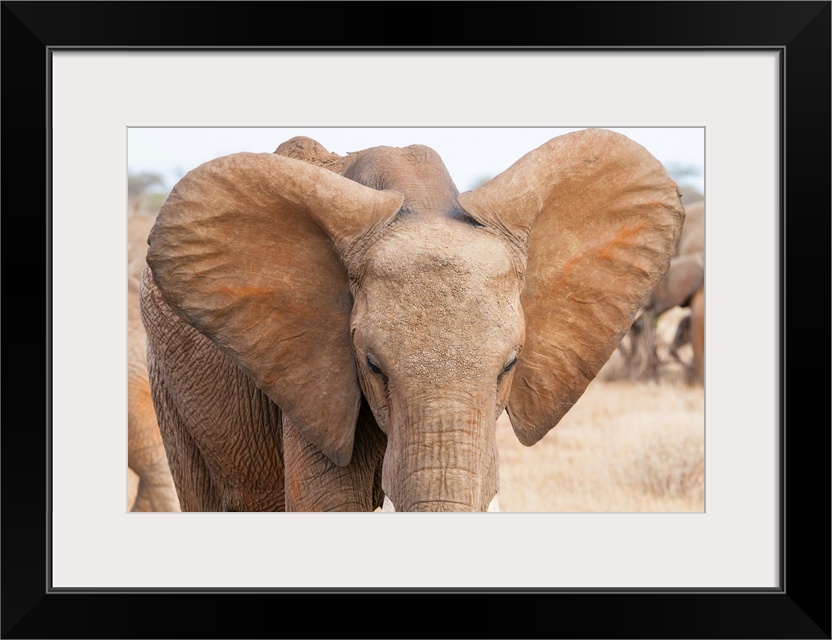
145	450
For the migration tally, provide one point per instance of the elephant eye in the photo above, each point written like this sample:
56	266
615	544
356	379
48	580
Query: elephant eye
373	365
508	366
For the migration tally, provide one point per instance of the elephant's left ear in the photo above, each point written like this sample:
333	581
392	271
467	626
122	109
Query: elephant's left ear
249	249
599	219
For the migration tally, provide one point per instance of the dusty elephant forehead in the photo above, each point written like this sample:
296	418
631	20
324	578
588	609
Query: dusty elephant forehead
441	303
438	251
442	273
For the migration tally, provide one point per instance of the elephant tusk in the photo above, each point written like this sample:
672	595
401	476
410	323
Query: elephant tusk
387	506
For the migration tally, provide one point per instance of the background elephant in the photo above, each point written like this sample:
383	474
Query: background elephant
693	232
328	333
691	328
697	334
684	279
146	457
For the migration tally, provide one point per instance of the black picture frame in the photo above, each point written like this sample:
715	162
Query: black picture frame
799	608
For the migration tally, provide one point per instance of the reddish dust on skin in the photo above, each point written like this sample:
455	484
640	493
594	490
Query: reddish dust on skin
244	291
624	238
615	250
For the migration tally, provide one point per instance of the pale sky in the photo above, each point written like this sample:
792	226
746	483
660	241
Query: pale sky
471	154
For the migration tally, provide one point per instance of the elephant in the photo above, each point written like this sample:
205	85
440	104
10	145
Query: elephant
146	455
691	328
341	333
693	231
684	278
693	242
697	335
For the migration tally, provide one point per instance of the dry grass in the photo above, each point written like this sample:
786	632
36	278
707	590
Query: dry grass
623	447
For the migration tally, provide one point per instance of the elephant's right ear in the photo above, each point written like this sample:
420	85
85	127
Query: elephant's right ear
248	249
599	219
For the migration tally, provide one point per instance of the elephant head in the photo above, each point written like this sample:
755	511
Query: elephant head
336	280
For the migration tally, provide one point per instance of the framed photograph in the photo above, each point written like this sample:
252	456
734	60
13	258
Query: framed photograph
751	78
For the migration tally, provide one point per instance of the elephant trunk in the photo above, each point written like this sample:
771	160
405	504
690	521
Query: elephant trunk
442	457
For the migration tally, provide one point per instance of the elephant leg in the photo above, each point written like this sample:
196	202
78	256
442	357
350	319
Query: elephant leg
146	452
680	339
628	347
195	488
156	491
697	331
651	359
634	348
213	473
132	487
653	354
315	483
